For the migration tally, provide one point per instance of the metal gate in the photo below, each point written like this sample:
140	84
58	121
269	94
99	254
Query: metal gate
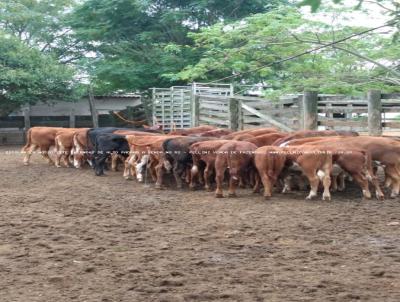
172	107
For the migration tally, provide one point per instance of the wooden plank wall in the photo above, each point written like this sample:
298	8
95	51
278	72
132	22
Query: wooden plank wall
344	113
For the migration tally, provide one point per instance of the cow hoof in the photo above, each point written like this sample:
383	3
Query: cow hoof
209	189
219	195
328	198
26	164
232	195
158	187
393	195
380	196
256	191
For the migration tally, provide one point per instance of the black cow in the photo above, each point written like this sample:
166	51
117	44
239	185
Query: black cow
105	145
177	153
93	133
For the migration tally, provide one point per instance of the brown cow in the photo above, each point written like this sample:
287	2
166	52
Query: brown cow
40	138
204	152
192	131
316	163
384	150
266	139
80	147
237	157
214	133
312	133
64	142
144	150
253	132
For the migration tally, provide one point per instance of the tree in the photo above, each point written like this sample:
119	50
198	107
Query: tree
246	52
42	24
28	76
137	42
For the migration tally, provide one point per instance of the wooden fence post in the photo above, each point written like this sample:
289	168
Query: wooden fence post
93	111
310	110
27	118
234	113
195	110
374	113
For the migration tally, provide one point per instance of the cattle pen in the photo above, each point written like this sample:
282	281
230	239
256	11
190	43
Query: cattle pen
69	235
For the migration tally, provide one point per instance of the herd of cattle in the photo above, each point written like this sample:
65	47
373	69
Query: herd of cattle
205	154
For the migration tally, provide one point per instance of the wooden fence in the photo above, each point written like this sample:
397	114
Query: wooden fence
375	113
84	113
238	112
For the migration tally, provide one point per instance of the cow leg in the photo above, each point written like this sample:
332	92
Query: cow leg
375	182
152	167
342	183
140	167
394	175
326	181
314	183
363	183
207	176
267	184
28	154
159	174
257	183
242	182
334	186
388	181
45	153
65	159
128	166
233	182
187	175
114	162
287	184
177	170
219	179
58	159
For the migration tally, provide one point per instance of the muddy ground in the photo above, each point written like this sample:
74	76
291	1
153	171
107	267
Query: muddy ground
66	235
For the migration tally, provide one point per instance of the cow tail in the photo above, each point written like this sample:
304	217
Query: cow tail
28	140
271	161
233	171
368	165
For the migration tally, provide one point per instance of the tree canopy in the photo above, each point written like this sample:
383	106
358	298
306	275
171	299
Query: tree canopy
28	76
243	48
137	42
132	45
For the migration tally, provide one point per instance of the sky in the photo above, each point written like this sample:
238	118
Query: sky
370	14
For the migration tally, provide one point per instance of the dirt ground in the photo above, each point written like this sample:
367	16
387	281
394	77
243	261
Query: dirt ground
67	235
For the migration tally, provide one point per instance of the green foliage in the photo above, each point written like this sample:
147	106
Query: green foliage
251	48
141	44
28	76
42	24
